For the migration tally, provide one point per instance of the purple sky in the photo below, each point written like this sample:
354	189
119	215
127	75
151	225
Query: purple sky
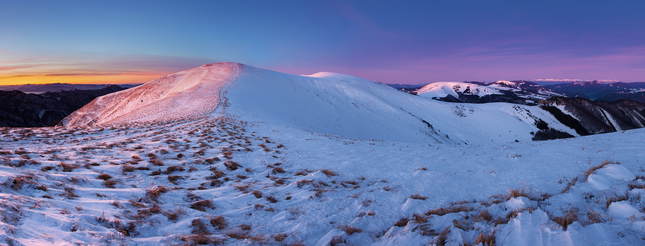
414	42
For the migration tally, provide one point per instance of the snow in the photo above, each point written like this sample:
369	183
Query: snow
190	93
443	89
338	156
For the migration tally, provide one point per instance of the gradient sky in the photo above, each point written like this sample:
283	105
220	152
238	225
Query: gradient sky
414	42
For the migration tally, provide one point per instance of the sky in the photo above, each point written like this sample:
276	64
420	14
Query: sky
408	42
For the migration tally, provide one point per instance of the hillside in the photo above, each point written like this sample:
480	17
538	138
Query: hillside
518	92
326	103
21	109
236	155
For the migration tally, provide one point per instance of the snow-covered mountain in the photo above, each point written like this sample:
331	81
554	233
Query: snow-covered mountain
327	103
255	157
522	92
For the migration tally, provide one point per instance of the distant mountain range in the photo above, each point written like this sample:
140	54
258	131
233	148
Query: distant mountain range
345	105
20	109
42	88
520	91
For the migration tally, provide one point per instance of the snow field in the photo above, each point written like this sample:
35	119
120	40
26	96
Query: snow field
173	181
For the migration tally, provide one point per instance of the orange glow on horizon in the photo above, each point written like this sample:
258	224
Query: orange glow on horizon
80	79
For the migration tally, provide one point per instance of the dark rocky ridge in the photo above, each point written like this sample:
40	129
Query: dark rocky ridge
592	117
19	109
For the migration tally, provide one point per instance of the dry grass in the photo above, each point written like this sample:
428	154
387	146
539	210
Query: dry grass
522	191
485	239
592	170
110	183
418	197
68	167
104	176
69	193
567	219
199	227
202	240
174	168
202	205
257	194
277	170
153	193
419	218
329	173
449	210
232	165
350	229
441	239
484	215
219	222
173	179
569	185
272	199
174	216
19	181
616	198
402	222
127	168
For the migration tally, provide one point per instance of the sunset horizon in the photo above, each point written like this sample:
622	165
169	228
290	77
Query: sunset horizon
410	43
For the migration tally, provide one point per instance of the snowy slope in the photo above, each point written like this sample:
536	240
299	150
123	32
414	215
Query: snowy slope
520	89
443	89
175	183
327	103
189	93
